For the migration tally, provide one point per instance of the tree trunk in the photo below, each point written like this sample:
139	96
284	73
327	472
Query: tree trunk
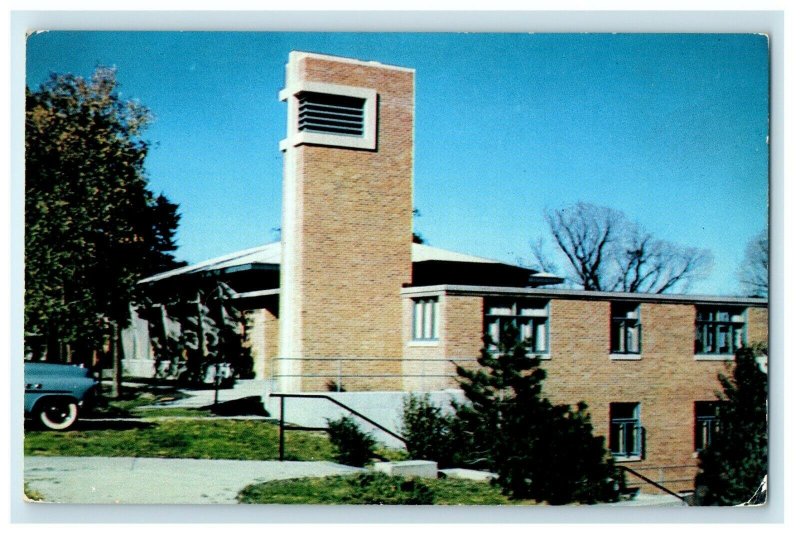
116	359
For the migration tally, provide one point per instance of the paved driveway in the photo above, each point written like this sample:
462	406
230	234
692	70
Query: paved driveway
99	480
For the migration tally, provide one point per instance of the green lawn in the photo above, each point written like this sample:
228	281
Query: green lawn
182	438
373	489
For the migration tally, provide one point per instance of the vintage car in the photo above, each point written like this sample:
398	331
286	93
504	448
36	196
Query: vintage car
55	394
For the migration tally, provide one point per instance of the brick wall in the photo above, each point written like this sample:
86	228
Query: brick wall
262	336
666	381
353	234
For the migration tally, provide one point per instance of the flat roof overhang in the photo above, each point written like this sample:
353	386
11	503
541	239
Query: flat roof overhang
576	294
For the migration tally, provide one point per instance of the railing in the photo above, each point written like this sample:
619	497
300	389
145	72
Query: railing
282	420
338	374
653	483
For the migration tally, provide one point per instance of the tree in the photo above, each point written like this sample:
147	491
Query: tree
92	226
539	450
734	466
604	251
754	270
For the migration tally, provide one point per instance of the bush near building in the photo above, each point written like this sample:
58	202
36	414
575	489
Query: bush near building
540	451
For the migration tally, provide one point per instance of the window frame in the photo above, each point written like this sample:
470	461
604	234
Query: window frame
624	452
515	305
429	306
617	320
709	424
367	141
707	330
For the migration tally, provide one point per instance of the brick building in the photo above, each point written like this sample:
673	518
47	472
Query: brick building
346	298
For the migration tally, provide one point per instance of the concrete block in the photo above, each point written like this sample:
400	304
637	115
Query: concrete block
409	468
468	474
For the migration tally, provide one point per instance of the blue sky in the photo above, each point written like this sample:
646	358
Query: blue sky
670	129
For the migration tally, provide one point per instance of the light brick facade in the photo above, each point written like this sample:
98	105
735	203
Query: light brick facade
347	236
665	381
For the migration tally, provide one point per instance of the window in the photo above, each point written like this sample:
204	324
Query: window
425	320
529	317
626	329
706	423
334	114
719	330
625	436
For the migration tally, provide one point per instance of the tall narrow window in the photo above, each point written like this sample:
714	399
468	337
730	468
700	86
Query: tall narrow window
425	320
529	317
706	423
719	330
625	433
626	328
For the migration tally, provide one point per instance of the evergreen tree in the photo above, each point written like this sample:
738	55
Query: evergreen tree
539	450
735	464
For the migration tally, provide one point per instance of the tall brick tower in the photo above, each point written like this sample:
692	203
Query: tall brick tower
347	221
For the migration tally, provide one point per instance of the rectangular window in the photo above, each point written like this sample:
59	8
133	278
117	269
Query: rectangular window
706	423
425	319
625	434
719	330
626	328
529	317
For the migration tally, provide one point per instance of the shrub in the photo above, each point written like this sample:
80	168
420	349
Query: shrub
354	446
379	488
428	431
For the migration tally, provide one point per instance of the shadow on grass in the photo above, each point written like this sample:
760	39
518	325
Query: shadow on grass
244	406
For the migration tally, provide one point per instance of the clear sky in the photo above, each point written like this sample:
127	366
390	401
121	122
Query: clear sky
670	129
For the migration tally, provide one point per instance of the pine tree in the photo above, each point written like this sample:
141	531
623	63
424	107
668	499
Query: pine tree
735	464
539	450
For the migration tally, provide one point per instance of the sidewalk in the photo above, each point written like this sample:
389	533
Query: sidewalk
100	480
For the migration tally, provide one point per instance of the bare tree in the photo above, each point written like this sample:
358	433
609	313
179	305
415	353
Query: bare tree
754	270
604	251
586	234
542	261
648	265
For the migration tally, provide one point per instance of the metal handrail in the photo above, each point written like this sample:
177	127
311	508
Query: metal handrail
653	483
338	375
282	423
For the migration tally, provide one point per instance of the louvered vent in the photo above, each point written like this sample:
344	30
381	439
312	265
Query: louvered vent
331	114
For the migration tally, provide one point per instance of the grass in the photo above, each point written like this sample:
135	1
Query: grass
344	490
134	401
182	438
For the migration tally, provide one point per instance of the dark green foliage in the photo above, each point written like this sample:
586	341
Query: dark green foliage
539	451
92	226
379	488
429	431
354	446
734	465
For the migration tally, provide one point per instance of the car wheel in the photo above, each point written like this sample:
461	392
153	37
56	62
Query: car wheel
57	414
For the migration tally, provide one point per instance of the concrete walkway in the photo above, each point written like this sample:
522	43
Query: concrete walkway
99	480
